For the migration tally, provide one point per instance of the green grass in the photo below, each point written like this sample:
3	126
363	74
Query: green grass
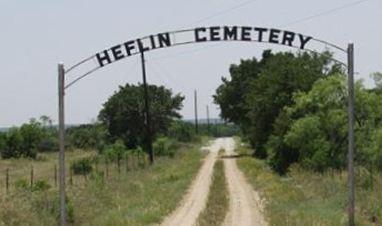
218	199
138	197
308	198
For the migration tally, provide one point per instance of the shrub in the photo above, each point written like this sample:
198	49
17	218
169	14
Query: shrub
40	185
82	166
115	151
48	144
165	147
181	131
2	141
12	144
32	134
22	184
23	141
91	136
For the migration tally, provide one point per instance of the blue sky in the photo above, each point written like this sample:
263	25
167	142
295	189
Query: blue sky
36	35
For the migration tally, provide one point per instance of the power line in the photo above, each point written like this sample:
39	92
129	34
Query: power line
186	52
166	73
324	13
221	12
284	25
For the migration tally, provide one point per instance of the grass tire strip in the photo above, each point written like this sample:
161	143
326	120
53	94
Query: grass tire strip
218	199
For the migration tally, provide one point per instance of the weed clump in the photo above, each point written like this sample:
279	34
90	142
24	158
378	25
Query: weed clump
82	166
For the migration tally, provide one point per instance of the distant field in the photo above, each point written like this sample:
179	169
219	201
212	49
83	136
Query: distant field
308	198
140	196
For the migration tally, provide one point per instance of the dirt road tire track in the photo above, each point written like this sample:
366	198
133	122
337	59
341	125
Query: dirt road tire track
195	200
245	208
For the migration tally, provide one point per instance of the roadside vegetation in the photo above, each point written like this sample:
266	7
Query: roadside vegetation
137	195
292	108
303	197
109	179
218	199
292	111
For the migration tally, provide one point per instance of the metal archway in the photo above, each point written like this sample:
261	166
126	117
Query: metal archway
191	36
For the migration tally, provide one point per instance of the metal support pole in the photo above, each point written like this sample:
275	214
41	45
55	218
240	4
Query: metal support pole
196	111
147	111
61	94
351	103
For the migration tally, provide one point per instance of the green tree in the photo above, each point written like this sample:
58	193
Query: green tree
123	113
181	131
3	140
377	77
89	136
13	144
259	90
314	129
25	141
231	95
46	121
32	134
375	149
317	127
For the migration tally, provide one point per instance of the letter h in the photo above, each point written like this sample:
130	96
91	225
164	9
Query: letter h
103	58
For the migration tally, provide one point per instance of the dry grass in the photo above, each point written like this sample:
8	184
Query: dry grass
43	167
307	198
142	196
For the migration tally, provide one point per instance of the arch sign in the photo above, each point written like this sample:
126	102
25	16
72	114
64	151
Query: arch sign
196	35
202	34
199	35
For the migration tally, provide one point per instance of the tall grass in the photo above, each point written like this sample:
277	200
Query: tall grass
308	198
137	197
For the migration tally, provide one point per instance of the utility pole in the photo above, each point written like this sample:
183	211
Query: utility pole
61	116
208	120
351	205
149	143
196	111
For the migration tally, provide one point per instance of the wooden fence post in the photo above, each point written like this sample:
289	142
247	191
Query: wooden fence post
70	176
127	162
119	164
7	180
106	168
32	175
84	172
55	175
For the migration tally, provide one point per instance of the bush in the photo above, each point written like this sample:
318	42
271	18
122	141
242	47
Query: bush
12	144
82	166
181	131
23	141
90	136
115	151
22	184
41	185
48	144
2	141
165	147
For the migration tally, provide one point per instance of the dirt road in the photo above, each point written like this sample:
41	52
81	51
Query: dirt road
245	205
195	200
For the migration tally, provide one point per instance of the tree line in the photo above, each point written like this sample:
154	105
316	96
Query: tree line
292	108
120	125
